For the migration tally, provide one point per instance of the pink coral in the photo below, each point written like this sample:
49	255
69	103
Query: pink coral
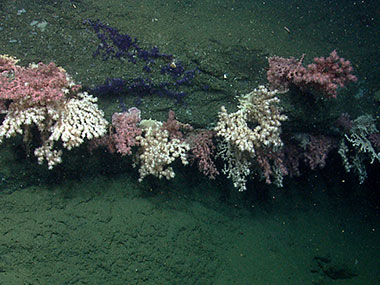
330	73
41	83
269	160
122	136
284	71
317	150
324	74
126	130
202	149
174	127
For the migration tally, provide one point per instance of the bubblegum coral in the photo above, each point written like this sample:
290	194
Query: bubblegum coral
202	150
324	74
38	82
126	130
122	136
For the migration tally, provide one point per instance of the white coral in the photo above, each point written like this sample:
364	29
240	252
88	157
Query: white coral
157	151
358	139
363	126
79	119
69	120
259	108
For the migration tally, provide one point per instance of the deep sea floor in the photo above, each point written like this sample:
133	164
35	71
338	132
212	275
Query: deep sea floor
111	229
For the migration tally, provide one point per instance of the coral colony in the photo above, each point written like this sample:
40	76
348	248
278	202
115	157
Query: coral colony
325	75
44	97
113	44
42	103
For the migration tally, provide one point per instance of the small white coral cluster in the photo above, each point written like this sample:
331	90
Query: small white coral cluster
358	139
71	120
157	151
237	164
258	108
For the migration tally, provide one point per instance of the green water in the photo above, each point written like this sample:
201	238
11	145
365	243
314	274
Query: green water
90	221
